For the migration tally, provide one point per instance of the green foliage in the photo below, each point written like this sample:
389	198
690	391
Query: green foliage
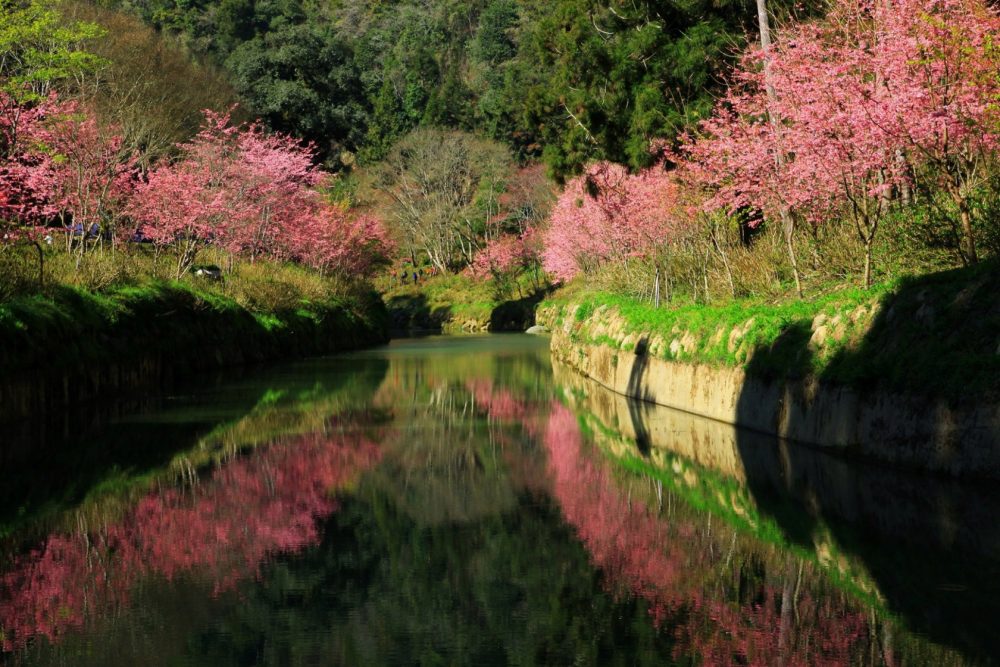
300	80
153	108
38	48
495	41
575	80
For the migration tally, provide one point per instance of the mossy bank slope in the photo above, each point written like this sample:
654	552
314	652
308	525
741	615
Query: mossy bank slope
457	304
908	372
72	345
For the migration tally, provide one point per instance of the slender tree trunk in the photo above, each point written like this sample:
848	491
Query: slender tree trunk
787	220
785	638
970	237
704	274
41	263
764	22
788	231
868	262
888	644
186	258
725	262
905	191
656	289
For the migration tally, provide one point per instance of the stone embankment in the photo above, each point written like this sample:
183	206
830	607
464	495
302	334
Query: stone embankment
910	428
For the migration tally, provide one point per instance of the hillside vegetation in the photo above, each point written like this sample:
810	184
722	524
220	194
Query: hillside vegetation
681	155
573	80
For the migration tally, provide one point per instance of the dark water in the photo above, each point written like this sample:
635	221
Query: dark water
459	501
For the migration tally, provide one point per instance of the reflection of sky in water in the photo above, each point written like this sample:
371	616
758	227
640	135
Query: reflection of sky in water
442	500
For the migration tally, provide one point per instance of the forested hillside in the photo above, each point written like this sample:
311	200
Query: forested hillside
573	80
661	150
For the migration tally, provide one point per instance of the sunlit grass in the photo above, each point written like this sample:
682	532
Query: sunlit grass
935	333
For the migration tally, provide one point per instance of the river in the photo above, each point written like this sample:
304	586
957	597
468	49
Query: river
460	501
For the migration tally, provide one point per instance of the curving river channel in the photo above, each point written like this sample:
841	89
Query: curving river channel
460	501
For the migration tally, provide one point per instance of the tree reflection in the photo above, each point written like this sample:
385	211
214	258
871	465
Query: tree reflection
719	609
454	516
219	530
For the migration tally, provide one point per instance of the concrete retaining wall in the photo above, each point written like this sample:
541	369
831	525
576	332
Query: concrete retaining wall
909	430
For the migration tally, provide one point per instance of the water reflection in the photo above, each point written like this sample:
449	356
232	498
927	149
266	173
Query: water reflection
922	551
724	600
218	530
449	502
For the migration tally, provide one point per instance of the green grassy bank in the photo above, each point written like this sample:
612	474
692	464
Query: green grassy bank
936	334
71	344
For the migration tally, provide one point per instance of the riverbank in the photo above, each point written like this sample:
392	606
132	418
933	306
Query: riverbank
72	345
908	372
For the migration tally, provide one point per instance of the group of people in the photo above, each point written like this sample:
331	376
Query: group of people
416	273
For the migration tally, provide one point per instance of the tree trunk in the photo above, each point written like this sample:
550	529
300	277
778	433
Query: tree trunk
656	289
868	262
41	263
785	638
725	262
788	231
787	221
970	237
765	25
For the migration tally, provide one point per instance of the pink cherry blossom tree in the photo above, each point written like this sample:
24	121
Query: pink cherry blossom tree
271	182
336	240
826	122
843	154
882	80
189	202
609	215
938	61
27	180
236	187
502	257
253	194
26	171
93	174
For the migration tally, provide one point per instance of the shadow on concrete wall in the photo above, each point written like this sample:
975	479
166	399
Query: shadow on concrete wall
930	543
517	314
412	313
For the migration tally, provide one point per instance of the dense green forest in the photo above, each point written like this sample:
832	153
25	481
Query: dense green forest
570	80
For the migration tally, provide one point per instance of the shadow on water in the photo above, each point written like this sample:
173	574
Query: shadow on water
54	463
642	439
923	547
923	550
449	551
930	544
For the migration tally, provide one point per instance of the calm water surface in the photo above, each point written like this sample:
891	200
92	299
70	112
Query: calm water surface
460	501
